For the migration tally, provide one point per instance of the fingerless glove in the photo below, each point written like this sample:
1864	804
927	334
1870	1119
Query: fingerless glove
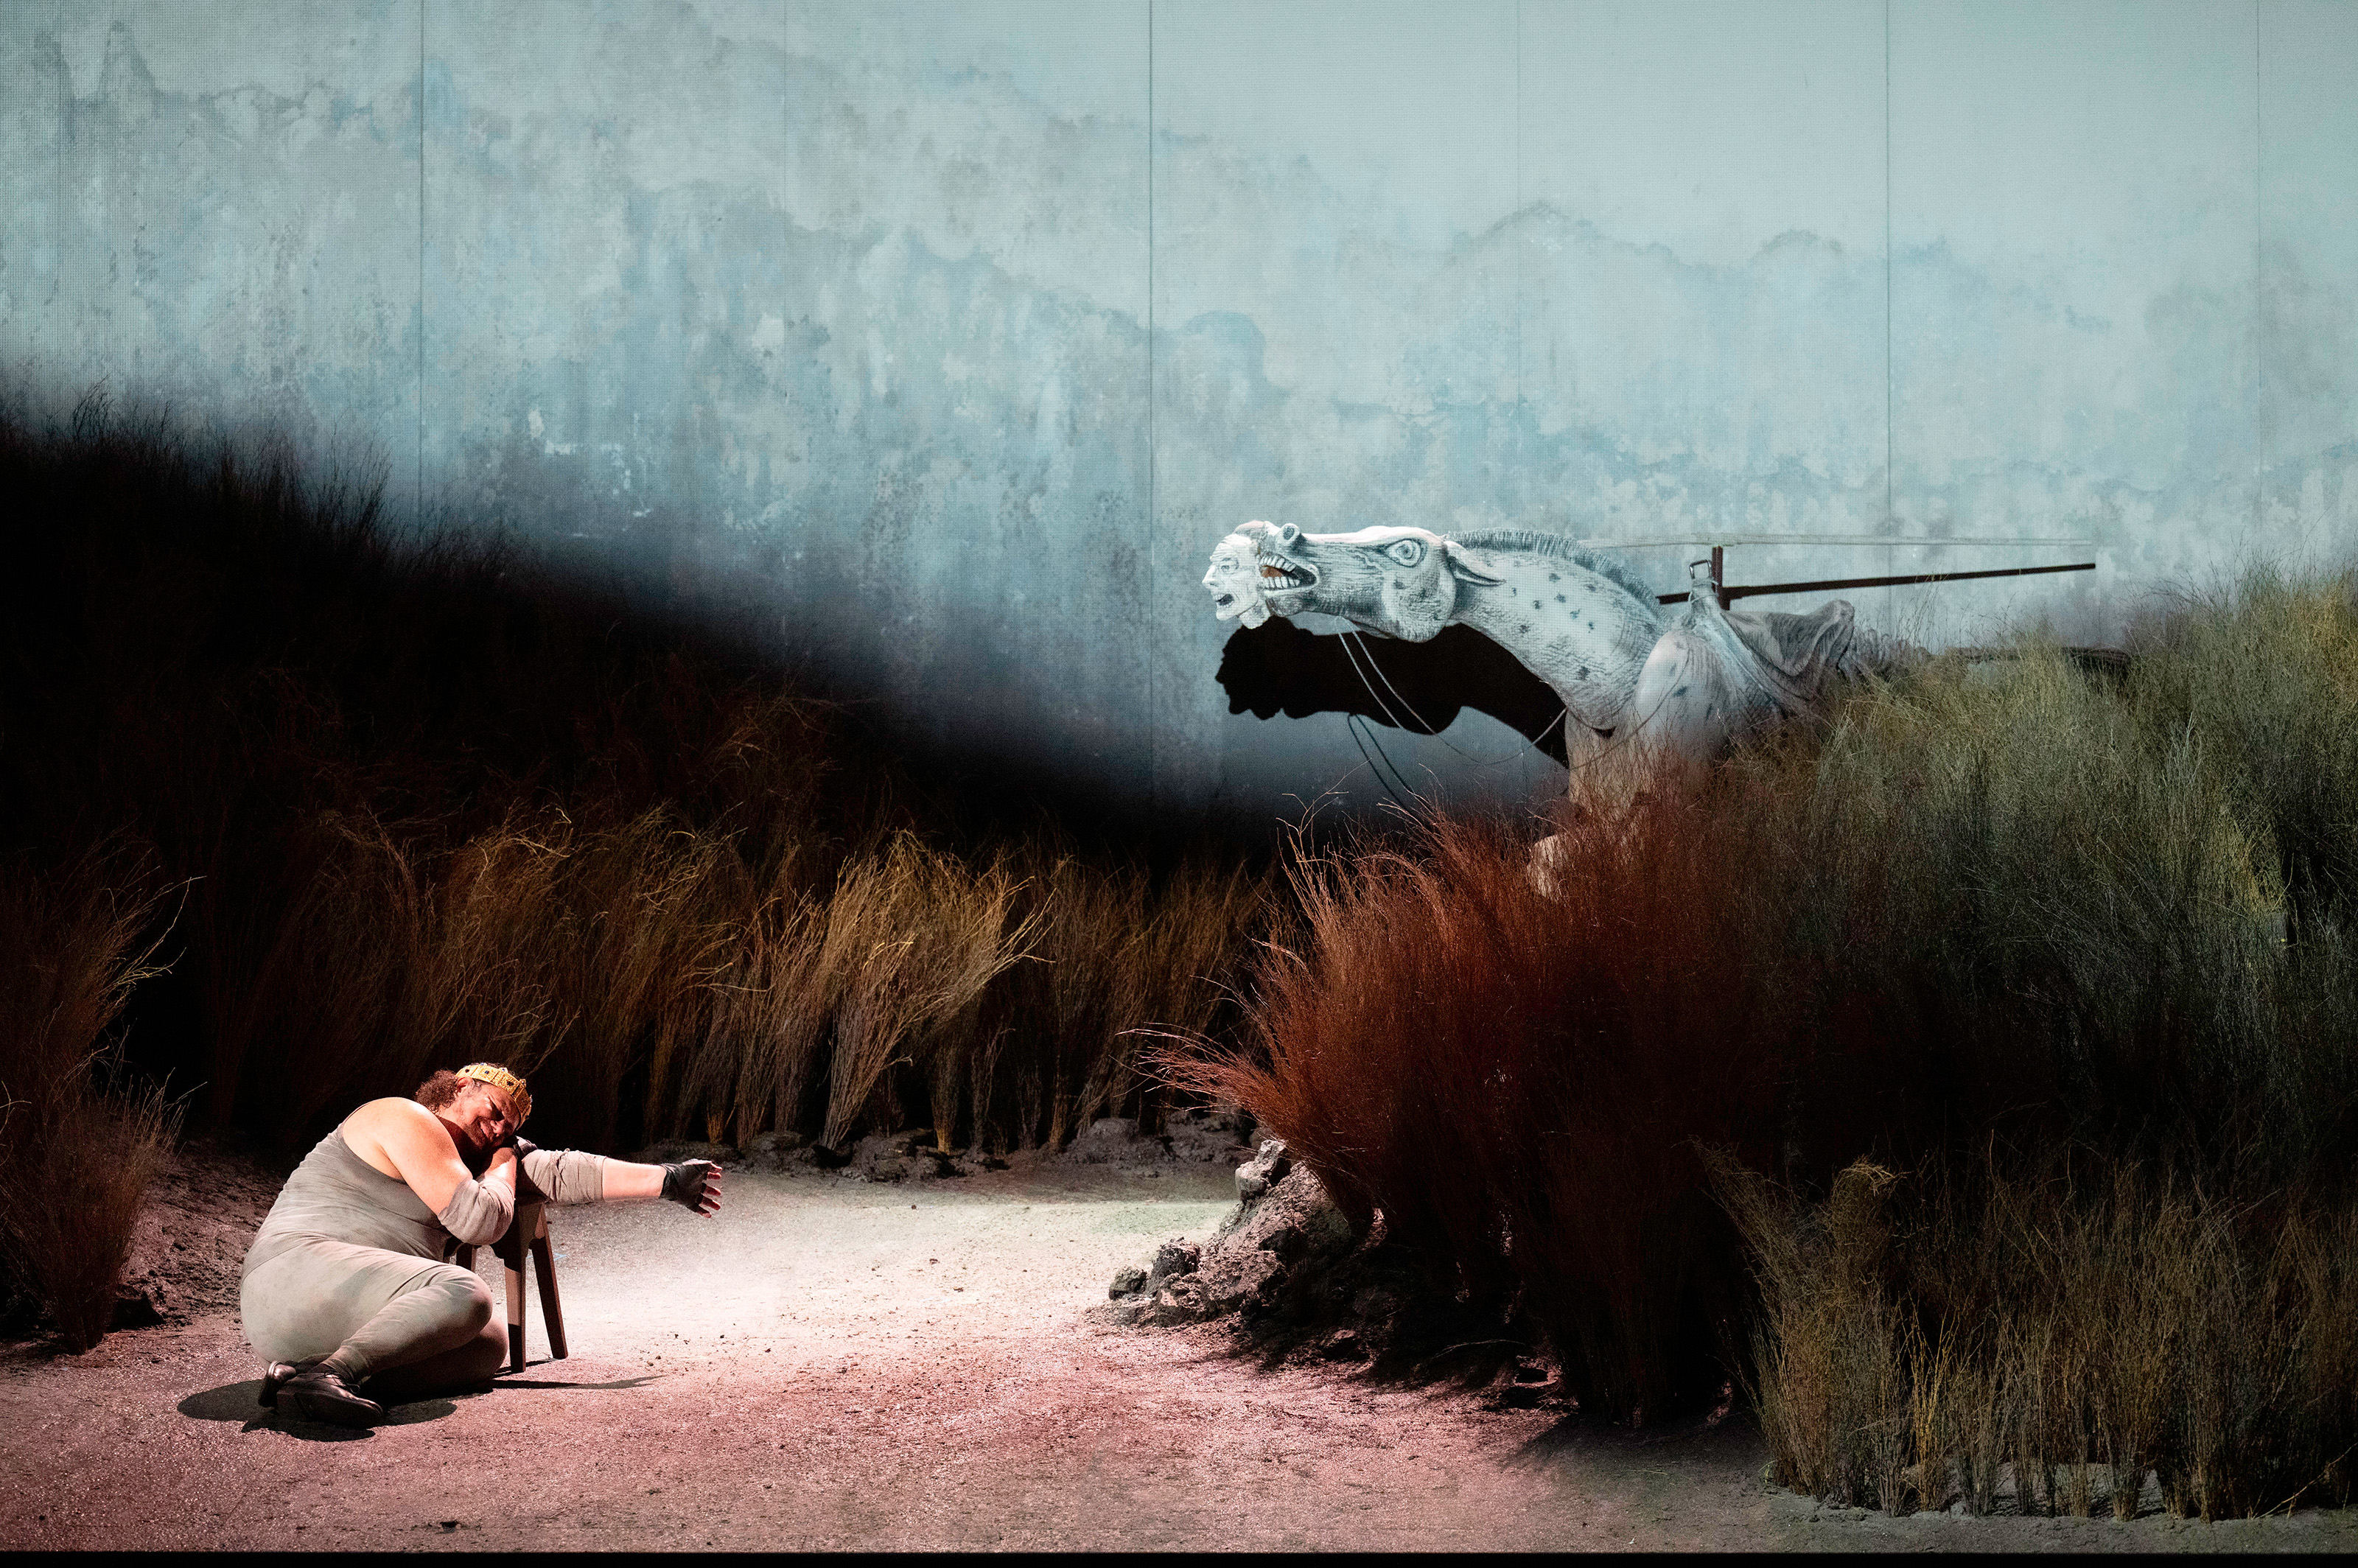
683	1184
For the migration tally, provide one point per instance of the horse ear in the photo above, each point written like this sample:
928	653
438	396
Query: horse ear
1466	567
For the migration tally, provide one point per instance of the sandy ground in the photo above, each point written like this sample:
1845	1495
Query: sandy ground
837	1365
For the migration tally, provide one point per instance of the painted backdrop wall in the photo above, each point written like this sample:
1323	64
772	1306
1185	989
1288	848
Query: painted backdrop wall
942	340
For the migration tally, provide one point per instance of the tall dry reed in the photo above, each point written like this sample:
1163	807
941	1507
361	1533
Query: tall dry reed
750	1070
2056	1339
1122	957
1184	964
930	936
80	1137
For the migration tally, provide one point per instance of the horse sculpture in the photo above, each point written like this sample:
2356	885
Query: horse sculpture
1642	685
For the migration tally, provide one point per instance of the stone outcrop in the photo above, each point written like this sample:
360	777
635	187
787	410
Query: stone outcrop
1286	1273
1263	1171
1284	1229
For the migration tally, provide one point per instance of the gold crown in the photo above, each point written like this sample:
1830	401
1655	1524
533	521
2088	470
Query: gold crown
499	1077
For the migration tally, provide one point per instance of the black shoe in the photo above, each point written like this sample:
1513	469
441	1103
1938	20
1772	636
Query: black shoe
317	1394
275	1379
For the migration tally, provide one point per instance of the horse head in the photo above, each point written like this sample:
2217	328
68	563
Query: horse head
1400	582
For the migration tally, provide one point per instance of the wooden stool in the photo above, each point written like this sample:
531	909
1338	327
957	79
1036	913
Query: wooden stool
528	1231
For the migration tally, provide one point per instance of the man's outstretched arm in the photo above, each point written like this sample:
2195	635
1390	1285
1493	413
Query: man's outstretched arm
569	1176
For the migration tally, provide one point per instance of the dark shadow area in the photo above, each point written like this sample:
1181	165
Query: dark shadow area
1278	667
1688	1439
231	1401
379	795
241	1402
161	563
309	1431
415	1412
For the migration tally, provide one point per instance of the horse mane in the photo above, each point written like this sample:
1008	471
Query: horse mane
1556	545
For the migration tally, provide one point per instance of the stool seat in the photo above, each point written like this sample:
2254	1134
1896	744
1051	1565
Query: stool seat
527	1232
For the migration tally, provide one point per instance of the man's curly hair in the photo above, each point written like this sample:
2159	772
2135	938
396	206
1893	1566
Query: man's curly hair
439	1091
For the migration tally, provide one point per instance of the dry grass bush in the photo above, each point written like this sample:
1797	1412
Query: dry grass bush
750	1070
390	958
1515	1081
2067	877
1831	1346
2267	675
1961	1334
929	936
1183	966
1121	959
1069	1015
649	914
80	1138
531	943
2133	903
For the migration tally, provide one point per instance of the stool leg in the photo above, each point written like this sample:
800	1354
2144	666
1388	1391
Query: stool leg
544	1273
510	1252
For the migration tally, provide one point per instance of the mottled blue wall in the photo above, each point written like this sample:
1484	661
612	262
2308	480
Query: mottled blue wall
942	340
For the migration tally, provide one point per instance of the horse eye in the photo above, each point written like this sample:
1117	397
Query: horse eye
1407	552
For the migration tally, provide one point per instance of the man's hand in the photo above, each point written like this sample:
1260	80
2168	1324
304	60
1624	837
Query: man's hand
521	1144
694	1185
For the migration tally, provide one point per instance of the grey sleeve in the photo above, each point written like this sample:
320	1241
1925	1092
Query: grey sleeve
477	1214
567	1176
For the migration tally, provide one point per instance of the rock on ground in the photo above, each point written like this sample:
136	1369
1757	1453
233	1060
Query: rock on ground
1287	1272
1285	1231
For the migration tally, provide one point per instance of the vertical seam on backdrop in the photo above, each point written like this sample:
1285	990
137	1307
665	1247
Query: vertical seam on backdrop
786	163
57	234
1154	529
417	496
1887	443
1522	244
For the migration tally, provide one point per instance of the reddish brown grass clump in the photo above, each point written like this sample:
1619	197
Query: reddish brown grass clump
1516	1081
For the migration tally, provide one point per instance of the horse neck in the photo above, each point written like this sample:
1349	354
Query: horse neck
1585	634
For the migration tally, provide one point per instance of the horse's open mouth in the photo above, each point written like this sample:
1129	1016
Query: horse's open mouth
1285	576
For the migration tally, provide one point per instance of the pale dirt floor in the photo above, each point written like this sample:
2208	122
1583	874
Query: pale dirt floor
838	1364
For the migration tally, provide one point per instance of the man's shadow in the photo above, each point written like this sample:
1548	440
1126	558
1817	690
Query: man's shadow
241	1403
1278	667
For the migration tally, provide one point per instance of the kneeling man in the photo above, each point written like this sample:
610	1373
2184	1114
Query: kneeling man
348	1291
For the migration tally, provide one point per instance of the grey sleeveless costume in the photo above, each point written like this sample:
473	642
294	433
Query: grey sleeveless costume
349	1268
